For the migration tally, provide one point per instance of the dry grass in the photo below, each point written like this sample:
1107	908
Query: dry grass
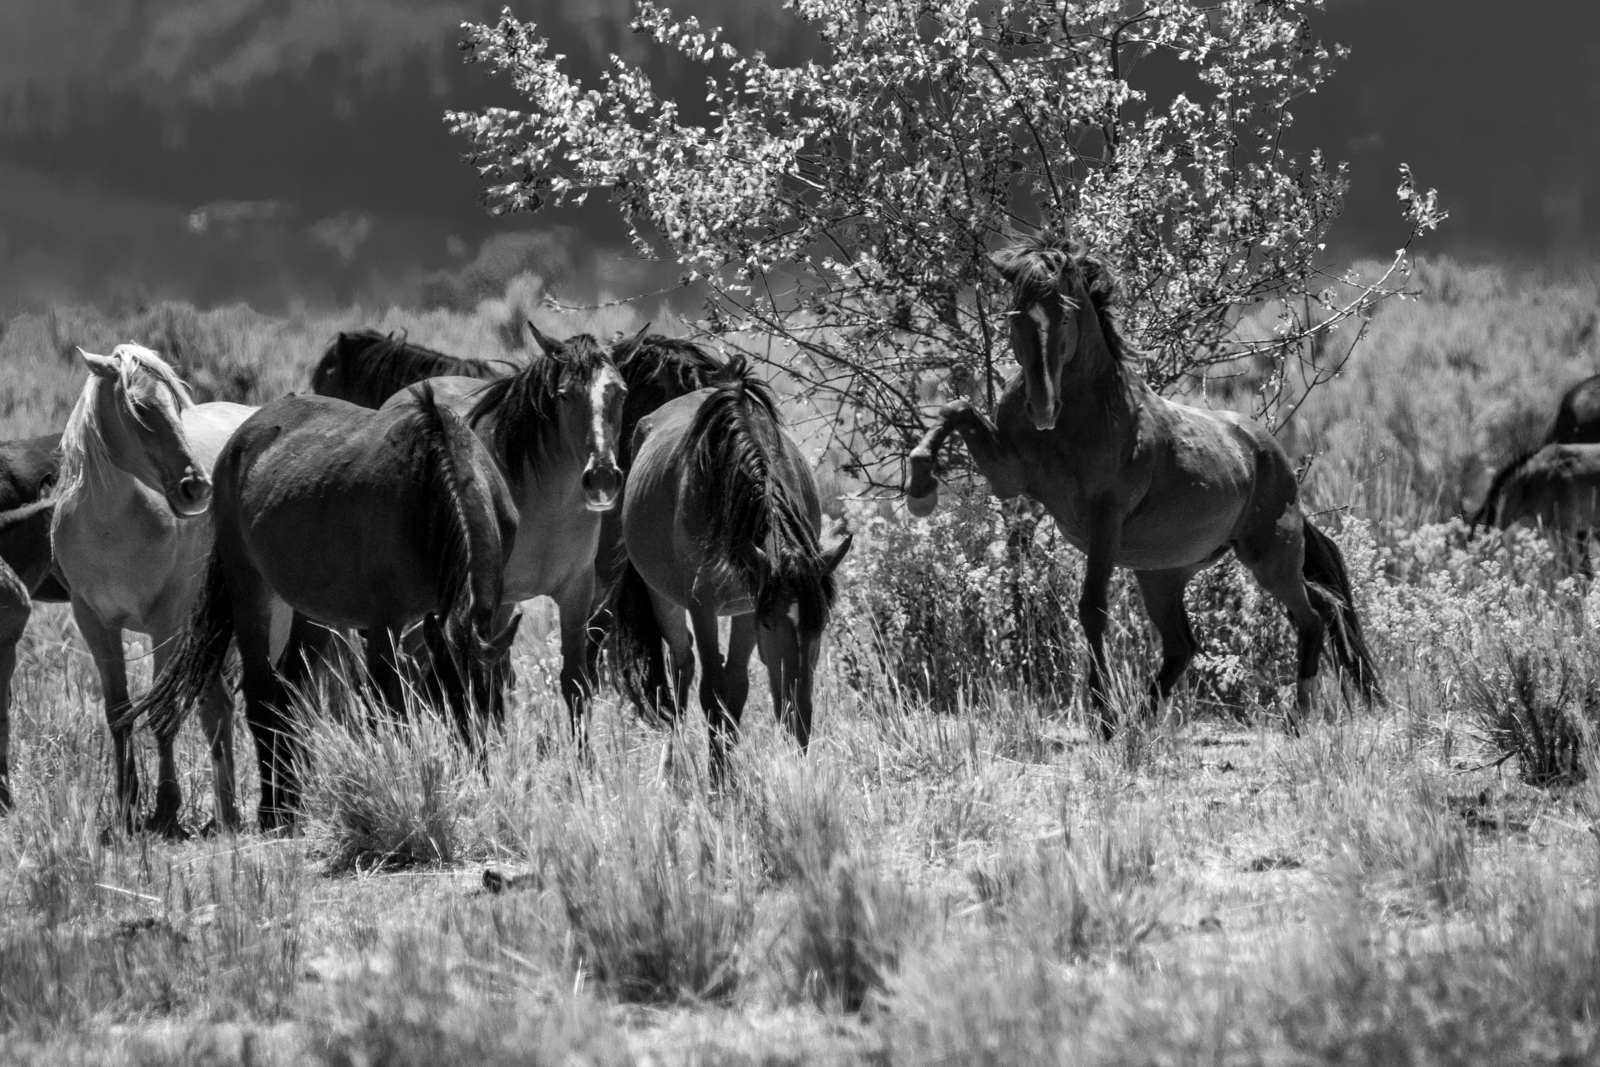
957	873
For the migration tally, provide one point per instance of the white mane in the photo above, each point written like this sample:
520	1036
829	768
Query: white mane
83	446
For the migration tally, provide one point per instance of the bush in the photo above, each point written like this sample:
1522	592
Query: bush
1539	703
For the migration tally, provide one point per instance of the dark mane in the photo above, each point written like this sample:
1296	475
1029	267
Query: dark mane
449	539
687	365
1035	266
373	366
748	505
523	406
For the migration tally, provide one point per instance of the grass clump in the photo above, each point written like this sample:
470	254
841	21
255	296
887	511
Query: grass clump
1079	896
656	899
1539	704
850	925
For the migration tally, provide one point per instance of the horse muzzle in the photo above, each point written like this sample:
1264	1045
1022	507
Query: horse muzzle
191	496
1044	419
602	484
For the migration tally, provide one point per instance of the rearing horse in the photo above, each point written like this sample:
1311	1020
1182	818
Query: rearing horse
1135	480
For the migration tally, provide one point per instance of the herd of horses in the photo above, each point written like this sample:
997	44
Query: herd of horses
648	487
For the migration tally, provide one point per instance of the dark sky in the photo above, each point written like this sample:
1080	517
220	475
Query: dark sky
320	121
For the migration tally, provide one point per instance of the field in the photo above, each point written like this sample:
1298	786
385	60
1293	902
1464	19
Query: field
957	873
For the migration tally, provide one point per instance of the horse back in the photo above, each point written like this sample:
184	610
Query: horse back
1578	416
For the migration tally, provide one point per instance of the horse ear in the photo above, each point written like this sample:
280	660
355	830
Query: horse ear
832	557
1005	263
547	346
104	366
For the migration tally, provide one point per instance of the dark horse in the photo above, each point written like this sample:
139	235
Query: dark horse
1577	422
366	367
25	563
354	519
1558	488
655	369
28	469
1138	481
552	430
722	518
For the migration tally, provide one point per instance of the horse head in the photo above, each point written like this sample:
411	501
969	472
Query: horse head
1057	289
589	393
792	608
472	666
135	414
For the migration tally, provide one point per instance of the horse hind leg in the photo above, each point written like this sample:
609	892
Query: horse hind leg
679	661
722	720
1163	600
1278	566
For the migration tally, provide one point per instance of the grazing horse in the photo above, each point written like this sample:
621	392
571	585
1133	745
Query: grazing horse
334	514
130	537
1577	422
24	566
722	518
1135	480
366	367
552	429
1558	487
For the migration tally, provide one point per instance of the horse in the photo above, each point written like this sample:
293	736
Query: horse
552	430
28	469
333	514
25	563
366	367
722	518
1135	480
1558	487
1577	422
130	536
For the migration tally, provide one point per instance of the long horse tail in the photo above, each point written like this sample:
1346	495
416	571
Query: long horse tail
444	440
1328	581
197	655
636	645
747	505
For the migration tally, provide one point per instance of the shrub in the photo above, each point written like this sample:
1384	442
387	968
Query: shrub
1539	701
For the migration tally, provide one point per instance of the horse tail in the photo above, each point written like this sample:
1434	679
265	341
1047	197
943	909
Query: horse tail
197	655
450	534
636	645
1328	581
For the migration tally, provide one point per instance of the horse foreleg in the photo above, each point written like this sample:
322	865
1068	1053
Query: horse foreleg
105	646
169	794
1105	534
575	601
1163	599
997	461
14	612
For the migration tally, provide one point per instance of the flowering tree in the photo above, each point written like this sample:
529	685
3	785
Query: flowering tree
848	206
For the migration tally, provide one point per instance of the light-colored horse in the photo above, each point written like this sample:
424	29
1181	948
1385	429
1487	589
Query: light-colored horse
1135	480
131	536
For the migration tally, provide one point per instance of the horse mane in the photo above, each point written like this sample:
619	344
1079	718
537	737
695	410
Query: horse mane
523	405
384	364
689	365
82	445
449	540
1035	266
746	504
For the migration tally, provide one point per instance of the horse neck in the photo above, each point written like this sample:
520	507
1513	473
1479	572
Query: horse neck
1096	384
88	467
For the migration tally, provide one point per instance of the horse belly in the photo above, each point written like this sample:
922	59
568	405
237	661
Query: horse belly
343	567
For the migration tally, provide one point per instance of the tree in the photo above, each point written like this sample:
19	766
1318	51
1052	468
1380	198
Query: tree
848	206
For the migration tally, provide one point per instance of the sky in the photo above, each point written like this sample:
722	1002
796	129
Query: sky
293	150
